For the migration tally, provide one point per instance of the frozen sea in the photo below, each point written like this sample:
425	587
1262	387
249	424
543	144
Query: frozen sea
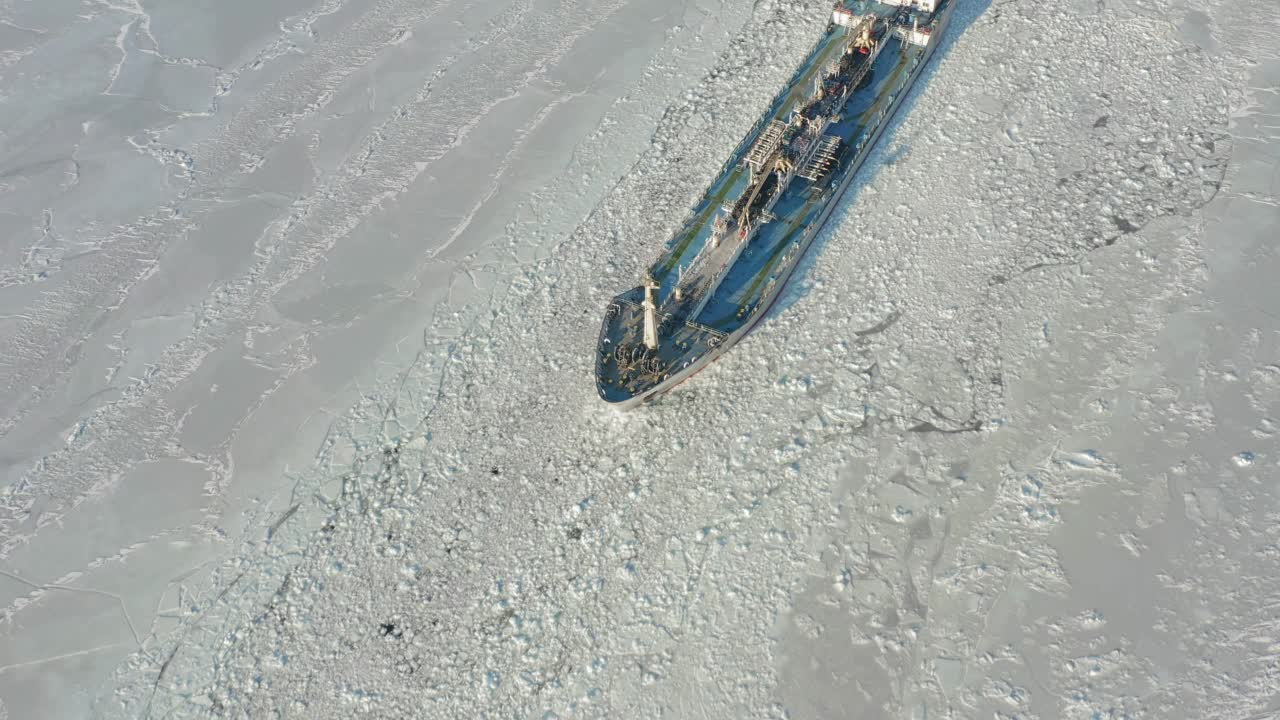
298	302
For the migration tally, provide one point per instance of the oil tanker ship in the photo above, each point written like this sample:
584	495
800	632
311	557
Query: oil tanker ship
720	273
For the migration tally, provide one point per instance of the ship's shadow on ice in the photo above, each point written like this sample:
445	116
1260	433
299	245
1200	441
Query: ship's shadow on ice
889	150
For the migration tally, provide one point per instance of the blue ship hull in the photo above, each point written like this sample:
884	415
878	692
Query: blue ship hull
727	265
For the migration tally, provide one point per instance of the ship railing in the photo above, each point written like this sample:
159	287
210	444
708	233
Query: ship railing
821	160
719	335
765	145
690	276
860	73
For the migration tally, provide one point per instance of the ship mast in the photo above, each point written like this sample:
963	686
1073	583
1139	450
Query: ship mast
650	314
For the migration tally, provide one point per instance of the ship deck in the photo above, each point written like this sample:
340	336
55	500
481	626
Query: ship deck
745	281
733	178
625	368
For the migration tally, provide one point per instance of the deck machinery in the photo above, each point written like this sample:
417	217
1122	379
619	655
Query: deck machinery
726	265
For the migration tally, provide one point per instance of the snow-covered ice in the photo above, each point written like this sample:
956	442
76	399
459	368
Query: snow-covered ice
298	302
